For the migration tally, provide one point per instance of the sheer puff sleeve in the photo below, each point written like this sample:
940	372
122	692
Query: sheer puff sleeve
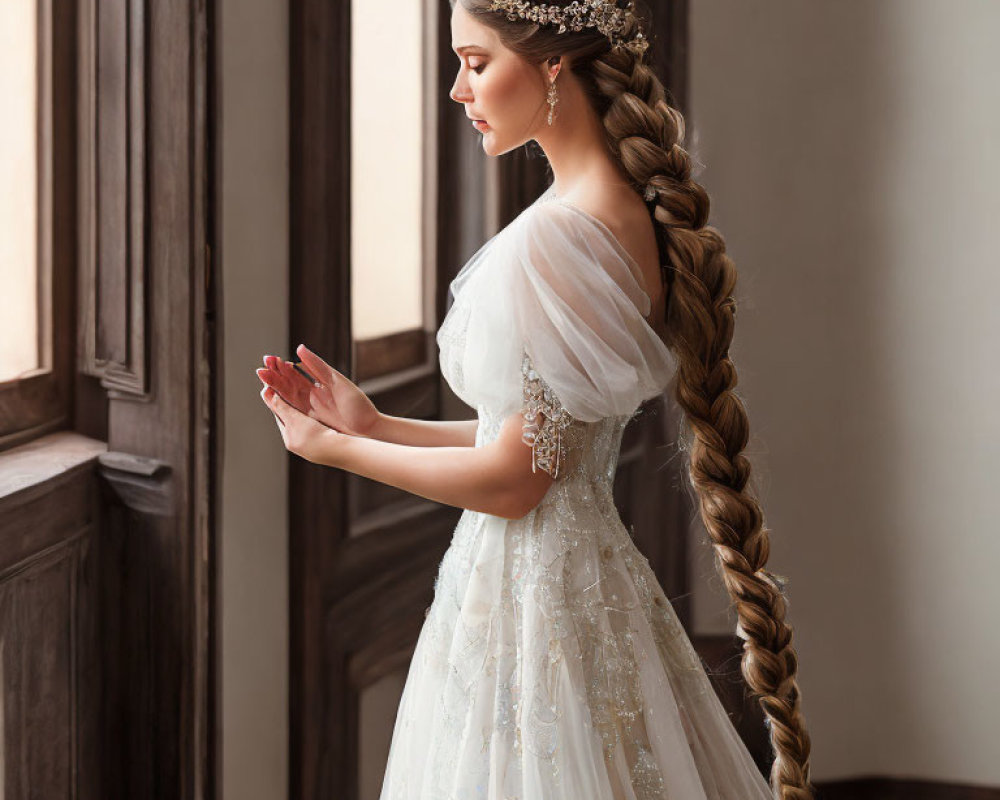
548	322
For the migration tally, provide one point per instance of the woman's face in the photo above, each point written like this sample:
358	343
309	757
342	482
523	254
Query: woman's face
495	85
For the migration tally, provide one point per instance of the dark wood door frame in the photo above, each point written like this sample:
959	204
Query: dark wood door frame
362	559
147	338
319	232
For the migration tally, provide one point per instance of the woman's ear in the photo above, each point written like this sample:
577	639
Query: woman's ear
552	67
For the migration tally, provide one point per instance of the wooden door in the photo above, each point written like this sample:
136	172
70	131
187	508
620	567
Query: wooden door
363	555
106	547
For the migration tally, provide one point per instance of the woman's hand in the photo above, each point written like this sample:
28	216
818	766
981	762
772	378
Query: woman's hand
302	435
336	402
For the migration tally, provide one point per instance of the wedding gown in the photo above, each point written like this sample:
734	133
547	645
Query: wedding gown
551	666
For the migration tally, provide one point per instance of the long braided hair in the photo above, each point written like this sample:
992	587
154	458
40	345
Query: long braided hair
645	133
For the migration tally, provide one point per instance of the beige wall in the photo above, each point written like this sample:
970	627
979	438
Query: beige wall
853	162
253	214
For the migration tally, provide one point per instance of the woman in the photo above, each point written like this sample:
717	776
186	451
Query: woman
551	664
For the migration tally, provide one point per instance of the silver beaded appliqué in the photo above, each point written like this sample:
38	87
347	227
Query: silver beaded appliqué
545	437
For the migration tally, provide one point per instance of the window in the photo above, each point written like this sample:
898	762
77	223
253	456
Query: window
19	200
388	106
37	217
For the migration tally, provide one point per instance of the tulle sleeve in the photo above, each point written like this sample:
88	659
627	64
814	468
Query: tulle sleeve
554	329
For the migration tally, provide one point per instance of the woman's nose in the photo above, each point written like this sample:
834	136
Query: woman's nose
459	92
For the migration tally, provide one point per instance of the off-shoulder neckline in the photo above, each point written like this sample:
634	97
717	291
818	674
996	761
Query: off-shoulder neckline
634	267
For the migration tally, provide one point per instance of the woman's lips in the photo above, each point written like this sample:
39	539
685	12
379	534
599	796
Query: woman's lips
479	125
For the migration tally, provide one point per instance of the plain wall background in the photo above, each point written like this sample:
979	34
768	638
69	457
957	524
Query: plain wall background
252	148
852	154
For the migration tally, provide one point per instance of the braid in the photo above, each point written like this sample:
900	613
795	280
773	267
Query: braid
645	132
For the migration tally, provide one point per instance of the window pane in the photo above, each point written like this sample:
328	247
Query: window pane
18	198
386	166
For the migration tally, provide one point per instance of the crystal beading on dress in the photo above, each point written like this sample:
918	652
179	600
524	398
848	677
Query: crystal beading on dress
544	438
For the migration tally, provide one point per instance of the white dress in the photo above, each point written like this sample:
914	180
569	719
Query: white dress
551	666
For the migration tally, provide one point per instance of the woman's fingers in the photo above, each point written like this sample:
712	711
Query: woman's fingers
277	366
317	367
288	371
270	398
279	373
270	378
320	402
270	371
265	375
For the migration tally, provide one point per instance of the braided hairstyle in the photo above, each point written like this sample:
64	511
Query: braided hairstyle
644	132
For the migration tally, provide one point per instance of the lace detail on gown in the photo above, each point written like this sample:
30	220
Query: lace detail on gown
545	437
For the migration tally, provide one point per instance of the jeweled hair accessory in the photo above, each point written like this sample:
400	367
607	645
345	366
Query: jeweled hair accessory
607	17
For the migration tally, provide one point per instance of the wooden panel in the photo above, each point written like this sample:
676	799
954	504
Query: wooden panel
382	586
721	658
653	500
144	656
42	518
49	656
158	613
320	314
383	355
147	332
416	397
113	195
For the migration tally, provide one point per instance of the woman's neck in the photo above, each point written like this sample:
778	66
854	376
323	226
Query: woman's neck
577	150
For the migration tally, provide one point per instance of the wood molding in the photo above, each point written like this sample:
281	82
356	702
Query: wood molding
320	314
141	485
113	196
886	788
394	352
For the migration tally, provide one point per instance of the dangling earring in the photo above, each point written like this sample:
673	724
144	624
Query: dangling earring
553	98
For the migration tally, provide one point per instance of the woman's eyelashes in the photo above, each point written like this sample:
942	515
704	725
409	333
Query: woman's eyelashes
477	68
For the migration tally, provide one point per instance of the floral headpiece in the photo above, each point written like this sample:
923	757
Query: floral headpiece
606	16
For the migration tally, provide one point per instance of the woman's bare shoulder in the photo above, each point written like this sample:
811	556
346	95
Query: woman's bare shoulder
620	209
625	214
